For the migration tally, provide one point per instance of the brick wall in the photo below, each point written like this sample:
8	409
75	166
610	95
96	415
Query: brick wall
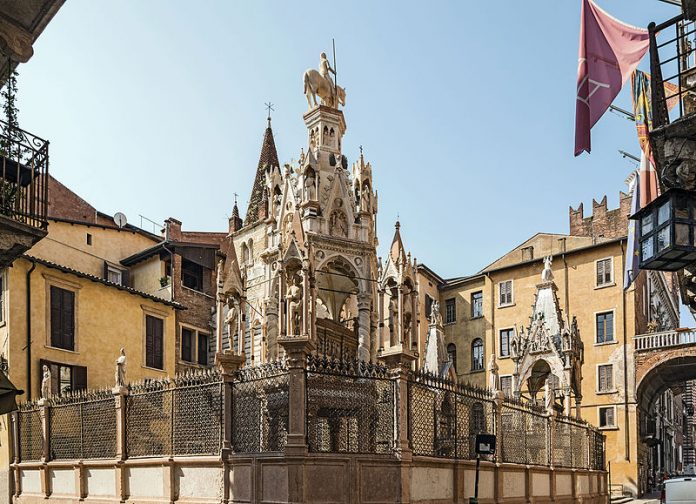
65	204
603	223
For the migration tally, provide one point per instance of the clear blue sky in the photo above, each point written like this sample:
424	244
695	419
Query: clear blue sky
465	109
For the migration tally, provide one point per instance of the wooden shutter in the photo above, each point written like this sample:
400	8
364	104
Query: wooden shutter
56	330
186	344
106	271
203	349
79	378
149	341
600	272
125	278
62	318
68	320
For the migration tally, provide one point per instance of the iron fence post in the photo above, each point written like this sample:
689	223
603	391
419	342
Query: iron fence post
498	400
16	456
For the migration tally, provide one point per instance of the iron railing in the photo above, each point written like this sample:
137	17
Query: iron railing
23	176
674	54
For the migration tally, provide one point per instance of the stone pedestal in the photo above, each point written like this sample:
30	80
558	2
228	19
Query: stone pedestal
229	362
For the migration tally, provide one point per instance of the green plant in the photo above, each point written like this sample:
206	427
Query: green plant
164	281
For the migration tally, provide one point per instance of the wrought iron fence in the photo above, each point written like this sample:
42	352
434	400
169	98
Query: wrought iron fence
524	434
260	405
30	433
350	406
83	426
183	416
674	55
23	176
444	417
596	442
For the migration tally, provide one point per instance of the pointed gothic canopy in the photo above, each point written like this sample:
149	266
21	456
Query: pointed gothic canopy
397	252
231	276
268	158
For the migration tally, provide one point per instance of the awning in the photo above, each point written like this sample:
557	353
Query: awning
8	394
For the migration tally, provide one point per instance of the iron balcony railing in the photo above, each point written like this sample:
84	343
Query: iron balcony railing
665	339
23	176
673	53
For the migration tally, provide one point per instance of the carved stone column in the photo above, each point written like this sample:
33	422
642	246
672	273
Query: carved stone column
380	320
364	302
305	300
272	329
219	322
296	350
120	397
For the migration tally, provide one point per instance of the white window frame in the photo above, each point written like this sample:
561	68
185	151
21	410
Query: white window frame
613	380
197	332
613	328
512	293
599	416
500	345
112	269
611	282
473	316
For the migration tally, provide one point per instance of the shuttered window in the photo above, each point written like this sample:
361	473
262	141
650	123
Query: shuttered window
187	344
202	349
505	337
154	341
505	291
62	318
606	417
605	378
604	272
477	304
450	311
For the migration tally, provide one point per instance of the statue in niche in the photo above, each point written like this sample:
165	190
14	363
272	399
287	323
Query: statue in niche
338	223
365	200
435	315
312	139
121	369
288	224
310	186
294	298
46	382
407	327
393	314
231	319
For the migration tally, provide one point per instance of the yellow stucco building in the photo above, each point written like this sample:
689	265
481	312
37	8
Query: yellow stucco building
490	316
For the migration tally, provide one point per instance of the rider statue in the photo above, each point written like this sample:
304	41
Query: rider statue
326	70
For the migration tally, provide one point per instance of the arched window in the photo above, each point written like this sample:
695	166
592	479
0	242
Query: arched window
251	251
452	352
245	253
477	354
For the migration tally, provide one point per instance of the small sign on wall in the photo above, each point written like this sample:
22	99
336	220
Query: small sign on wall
485	444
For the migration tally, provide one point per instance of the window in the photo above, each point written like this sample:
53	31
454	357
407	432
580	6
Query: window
450	310
428	306
154	342
194	346
64	378
506	385
478	418
62	318
606	416
89	239
477	355
505	293
605	273
605	327
187	344
605	378
192	275
452	353
114	276
477	304
505	337
202	349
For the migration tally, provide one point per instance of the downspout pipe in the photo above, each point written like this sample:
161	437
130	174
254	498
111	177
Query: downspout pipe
627	437
28	316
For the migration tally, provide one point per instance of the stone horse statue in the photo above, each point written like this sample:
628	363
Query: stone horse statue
315	84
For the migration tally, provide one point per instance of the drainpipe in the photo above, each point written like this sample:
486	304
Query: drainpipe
627	438
29	272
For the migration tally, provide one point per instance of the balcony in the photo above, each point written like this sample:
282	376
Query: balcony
23	191
665	339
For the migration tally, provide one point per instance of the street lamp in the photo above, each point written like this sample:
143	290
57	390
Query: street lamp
666	231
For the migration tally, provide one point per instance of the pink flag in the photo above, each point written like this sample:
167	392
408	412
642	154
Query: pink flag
609	52
649	186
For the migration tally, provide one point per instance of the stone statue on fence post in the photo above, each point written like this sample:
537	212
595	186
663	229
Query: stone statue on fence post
46	383
121	369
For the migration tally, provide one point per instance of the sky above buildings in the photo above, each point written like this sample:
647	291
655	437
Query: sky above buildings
465	110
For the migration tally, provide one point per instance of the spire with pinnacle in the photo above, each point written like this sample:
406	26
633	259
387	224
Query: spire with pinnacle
267	161
235	220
